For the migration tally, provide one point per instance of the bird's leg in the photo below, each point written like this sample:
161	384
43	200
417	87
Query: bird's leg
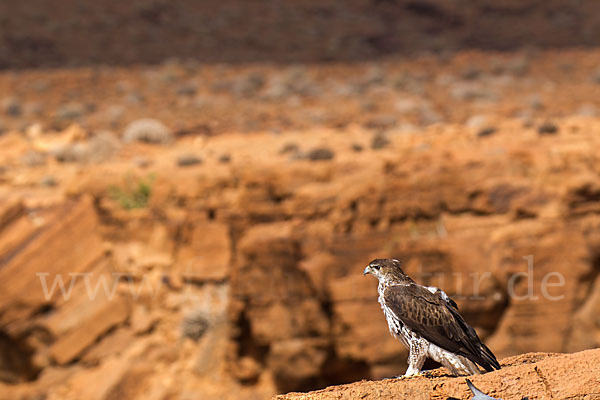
416	359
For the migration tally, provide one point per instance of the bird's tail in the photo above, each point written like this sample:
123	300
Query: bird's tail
491	363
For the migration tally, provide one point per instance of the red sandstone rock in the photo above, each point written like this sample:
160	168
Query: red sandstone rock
65	243
535	375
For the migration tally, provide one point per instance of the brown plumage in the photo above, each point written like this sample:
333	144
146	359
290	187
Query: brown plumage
427	321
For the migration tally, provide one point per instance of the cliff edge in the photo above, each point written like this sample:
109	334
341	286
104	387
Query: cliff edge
532	375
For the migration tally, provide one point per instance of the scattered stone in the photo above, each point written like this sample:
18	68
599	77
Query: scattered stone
289	148
527	119
250	85
115	114
375	75
299	82
320	154
48	180
200	102
566	67
596	76
123	87
490	130
469	91
70	152
34	131
381	122
547	128
476	121
368	106
410	84
588	110
141	162
33	158
408	105
99	148
357	147
102	146
134	98
33	109
147	130
188	160
275	89
187	89
445	79
429	116
379	141
221	86
518	66
40	86
12	107
225	158
471	73
535	102
70	111
195	324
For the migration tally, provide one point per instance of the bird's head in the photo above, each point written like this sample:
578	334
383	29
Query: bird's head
386	269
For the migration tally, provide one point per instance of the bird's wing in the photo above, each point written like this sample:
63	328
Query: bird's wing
436	320
443	295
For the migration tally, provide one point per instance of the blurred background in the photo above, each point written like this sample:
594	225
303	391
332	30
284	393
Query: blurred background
189	191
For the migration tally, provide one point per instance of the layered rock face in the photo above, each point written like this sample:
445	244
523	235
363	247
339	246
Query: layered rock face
248	272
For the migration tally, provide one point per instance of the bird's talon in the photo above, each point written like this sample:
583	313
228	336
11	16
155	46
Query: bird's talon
413	375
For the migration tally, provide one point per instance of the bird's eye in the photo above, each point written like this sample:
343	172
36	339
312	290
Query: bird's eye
376	266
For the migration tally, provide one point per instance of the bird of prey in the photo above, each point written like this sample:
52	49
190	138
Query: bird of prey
426	320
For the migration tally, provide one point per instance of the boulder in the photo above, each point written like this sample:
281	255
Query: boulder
206	252
64	243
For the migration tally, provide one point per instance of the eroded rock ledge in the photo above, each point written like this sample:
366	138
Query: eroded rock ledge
532	375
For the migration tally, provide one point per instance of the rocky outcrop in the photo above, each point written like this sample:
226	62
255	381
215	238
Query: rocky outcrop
240	275
44	254
260	270
42	251
532	376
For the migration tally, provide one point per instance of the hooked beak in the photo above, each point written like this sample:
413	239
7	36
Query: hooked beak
367	270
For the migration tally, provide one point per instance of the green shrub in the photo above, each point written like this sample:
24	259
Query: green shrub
135	192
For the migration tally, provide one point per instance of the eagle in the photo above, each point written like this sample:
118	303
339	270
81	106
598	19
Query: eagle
426	320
